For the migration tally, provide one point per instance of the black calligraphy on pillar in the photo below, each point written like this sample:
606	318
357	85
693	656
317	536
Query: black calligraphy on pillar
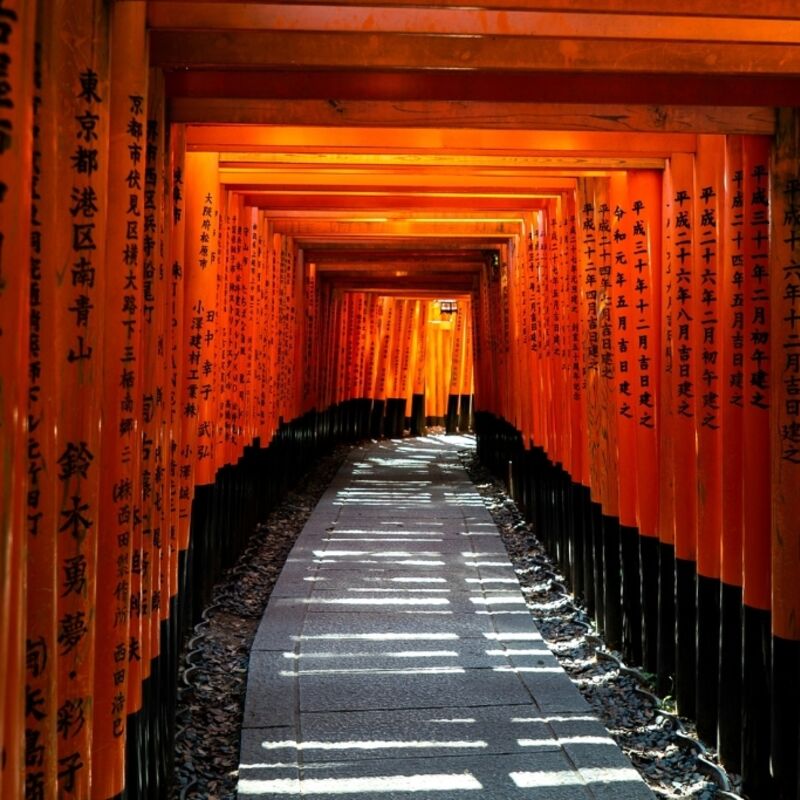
573	289
535	288
789	237
84	208
683	318
8	30
201	365
177	195
154	398
736	290
642	312
36	711
590	282
708	311
36	656
555	304
622	311
757	281
604	296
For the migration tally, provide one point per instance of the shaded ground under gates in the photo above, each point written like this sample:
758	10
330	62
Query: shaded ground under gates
396	655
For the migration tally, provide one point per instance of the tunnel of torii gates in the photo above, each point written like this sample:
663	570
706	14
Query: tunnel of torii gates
210	271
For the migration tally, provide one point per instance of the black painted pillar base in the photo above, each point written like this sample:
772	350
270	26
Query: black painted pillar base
756	695
588	550
631	595
648	577
418	415
786	717
134	768
565	522
708	632
465	413
451	420
729	730
376	420
395	416
575	495
612	569
597	565
365	412
686	636
666	618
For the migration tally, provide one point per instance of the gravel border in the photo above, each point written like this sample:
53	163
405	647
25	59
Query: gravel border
212	677
663	747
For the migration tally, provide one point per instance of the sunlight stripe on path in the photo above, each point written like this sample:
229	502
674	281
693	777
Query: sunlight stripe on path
373	785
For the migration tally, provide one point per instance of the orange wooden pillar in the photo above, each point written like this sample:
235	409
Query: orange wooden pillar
757	365
224	410
607	411
386	310
271	328
451	420
709	220
570	360
518	250
463	389
578	501
413	356
418	376
395	404
331	306
645	227
526	354
298	299
544	342
468	361
785	456
349	367
199	411
666	378
360	403
41	525
118	654
402	386
434	398
370	351
559	402
344	350
541	335
590	357
487	388
181	463
20	419
162	521
683	243
74	164
200	276
446	332
626	378
732	322
254	323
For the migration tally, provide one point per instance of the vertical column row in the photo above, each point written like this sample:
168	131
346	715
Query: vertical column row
674	514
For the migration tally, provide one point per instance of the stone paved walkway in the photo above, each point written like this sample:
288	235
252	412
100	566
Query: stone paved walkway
396	657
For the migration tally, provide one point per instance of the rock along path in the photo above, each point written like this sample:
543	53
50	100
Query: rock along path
397	658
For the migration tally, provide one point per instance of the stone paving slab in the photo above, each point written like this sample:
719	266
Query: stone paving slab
396	657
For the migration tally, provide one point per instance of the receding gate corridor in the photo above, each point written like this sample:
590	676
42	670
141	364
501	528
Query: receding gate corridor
236	234
397	655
